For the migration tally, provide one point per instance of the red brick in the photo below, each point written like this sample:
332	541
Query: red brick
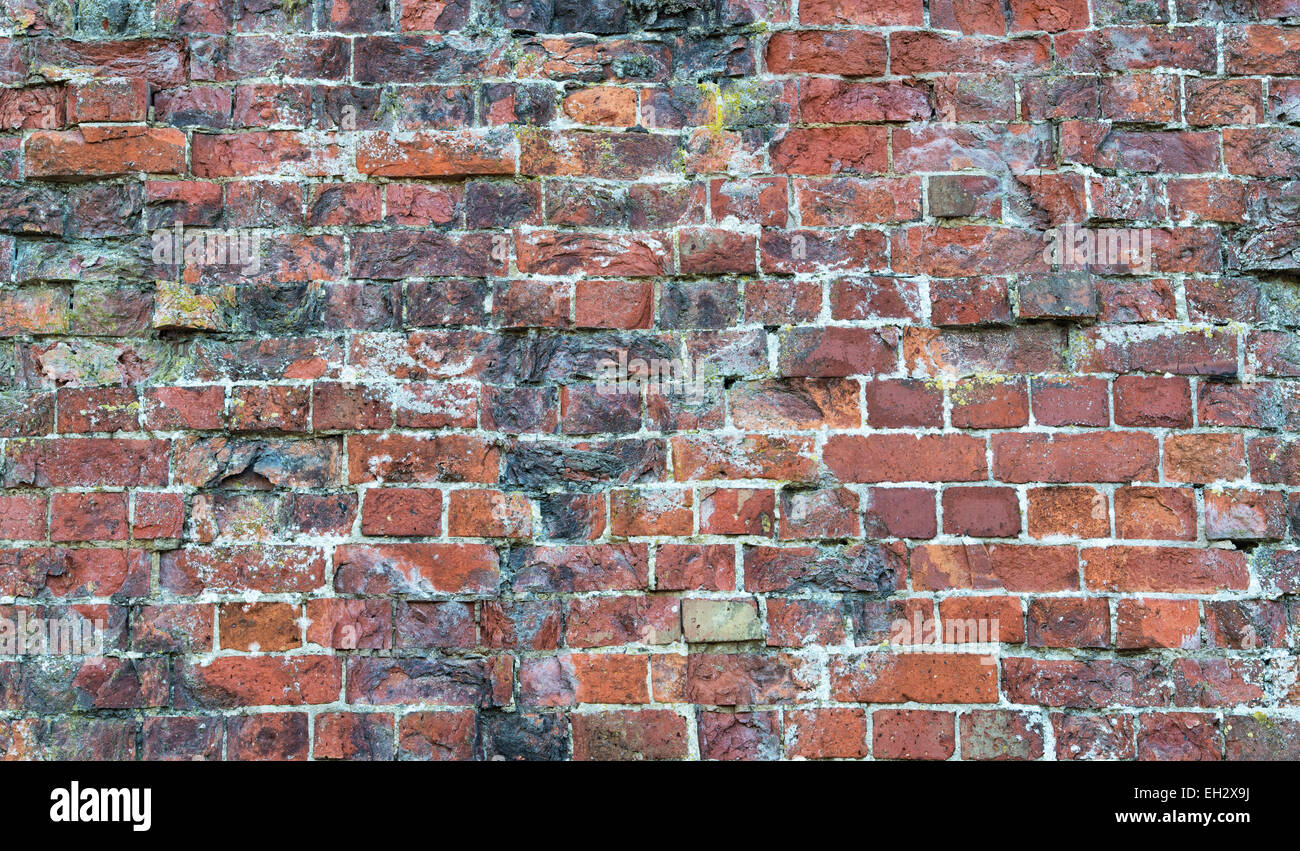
826	52
1244	515
88	517
108	100
402	511
696	567
353	735
99	151
569	569
1155	513
798	623
1000	612
88	462
157	515
416	568
651	512
1153	402
899	512
762	200
743	457
488	514
905	458
273	736
857	149
269	569
1009	566
527	624
739	735
22	518
737	511
98	409
1051	16
408	458
1178	736
855	567
912	734
1076	512
1211	101
893	13
1259	49
1247	737
982	512
997	403
231	681
1077	401
1144	98
386	445
614	304
979	300
482	682
1209	200
261	152
1094	736
436	735
610	106
1169	569
903	403
826	513
1000	735
1245	624
1204	458
1212	683
272	408
1087	684
653	734
931	52
571	679
349	624
1145	623
1108	457
826	734
796	403
741	679
1273	460
921	677
184	407
268	627
349	406
612	621
1069	622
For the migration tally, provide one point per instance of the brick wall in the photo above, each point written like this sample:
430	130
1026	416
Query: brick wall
591	379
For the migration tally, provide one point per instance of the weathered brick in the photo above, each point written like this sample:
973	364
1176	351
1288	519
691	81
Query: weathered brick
1077	512
1010	566
1144	623
1109	457
1175	570
912	734
419	569
705	620
98	151
922	677
1000	735
653	734
739	735
1069	622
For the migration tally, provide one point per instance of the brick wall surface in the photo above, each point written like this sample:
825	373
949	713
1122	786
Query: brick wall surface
598	379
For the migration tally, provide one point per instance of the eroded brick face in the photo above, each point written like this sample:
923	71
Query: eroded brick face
634	379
